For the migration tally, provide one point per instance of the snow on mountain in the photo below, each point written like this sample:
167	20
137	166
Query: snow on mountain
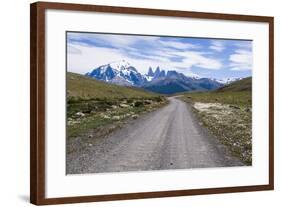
148	78
120	65
227	81
123	73
104	72
120	72
174	82
194	76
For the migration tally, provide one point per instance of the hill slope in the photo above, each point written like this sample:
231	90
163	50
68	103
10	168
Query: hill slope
82	87
93	104
241	85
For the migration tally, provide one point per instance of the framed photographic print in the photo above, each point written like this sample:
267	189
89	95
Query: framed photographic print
130	103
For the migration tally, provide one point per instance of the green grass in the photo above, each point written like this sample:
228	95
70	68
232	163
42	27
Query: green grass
97	120
92	122
242	85
80	87
101	117
241	98
100	103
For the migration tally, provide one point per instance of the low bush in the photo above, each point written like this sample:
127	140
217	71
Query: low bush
158	99
138	103
130	100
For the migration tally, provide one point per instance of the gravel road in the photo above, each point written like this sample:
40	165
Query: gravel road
168	138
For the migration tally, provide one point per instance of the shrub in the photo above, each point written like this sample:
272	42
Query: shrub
72	99
130	101
138	103
158	99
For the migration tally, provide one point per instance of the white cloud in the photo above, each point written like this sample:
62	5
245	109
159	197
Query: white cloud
217	45
188	72
178	45
73	50
241	60
245	45
198	59
92	57
204	62
89	58
141	51
118	41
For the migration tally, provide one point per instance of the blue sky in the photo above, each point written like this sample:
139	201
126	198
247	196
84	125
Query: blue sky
213	58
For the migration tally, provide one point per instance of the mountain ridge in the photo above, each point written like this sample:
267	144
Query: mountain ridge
159	81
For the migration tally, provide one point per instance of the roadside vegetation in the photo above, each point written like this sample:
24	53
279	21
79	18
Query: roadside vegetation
227	113
96	108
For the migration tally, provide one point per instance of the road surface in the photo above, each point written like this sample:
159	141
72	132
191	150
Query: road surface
168	138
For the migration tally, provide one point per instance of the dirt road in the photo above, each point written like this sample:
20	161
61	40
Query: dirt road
168	138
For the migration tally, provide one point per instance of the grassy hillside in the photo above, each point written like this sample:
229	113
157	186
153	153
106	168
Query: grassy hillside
227	113
241	85
94	105
82	87
243	98
238	93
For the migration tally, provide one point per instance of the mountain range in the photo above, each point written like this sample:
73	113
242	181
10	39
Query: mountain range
160	81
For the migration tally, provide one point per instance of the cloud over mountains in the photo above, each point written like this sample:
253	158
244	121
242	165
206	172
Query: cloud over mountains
191	56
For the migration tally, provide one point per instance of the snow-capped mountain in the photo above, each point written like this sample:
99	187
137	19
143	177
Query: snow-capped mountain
173	82
154	75
150	75
121	73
